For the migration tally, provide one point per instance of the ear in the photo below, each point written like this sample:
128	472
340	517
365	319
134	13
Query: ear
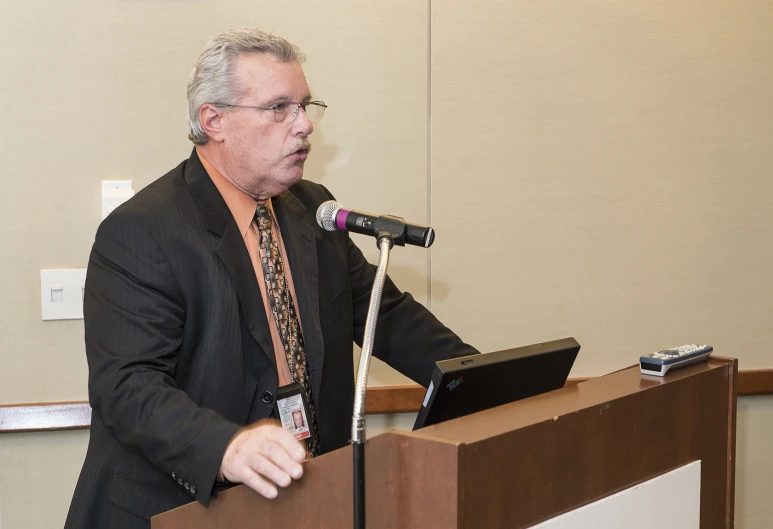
211	121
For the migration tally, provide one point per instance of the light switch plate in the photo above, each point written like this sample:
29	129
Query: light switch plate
61	293
115	193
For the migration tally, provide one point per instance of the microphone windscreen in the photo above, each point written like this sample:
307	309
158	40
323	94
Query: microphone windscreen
326	215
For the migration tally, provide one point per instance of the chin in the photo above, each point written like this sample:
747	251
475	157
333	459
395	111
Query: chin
294	177
286	182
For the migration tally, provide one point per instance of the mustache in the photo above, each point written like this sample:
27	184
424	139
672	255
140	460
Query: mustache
303	145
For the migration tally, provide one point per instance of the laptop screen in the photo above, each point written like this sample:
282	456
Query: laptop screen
469	384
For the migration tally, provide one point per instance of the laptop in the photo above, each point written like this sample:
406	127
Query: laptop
468	384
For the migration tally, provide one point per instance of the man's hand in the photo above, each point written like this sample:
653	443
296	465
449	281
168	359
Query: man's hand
262	456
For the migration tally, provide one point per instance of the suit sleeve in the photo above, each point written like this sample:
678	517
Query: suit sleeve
134	315
408	336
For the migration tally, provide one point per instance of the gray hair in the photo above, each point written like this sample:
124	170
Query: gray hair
211	79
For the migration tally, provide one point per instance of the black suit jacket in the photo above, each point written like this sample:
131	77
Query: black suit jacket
179	349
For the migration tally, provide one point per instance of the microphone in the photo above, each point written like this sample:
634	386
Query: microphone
333	216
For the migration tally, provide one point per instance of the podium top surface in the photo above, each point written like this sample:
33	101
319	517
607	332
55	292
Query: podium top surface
556	404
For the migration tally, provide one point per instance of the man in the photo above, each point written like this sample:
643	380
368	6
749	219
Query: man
213	290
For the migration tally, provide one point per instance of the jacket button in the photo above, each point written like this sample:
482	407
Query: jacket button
179	481
267	397
174	476
187	486
193	489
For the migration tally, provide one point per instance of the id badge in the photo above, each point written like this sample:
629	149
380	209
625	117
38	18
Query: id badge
292	409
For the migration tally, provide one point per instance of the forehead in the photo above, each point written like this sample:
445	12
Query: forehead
265	77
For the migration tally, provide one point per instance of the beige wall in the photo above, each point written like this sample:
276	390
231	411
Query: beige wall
630	150
611	159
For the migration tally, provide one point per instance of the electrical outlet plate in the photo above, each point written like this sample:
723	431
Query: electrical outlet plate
61	293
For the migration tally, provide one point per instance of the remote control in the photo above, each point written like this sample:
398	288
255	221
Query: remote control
661	362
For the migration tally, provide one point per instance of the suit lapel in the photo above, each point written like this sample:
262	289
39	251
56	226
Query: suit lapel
232	252
301	251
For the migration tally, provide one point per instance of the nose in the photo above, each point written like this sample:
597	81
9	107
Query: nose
302	123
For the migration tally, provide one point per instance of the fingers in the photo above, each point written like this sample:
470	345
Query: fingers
270	470
282	456
289	443
254	481
264	457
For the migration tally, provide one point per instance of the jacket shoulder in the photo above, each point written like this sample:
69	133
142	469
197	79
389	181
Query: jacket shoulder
158	204
163	192
311	194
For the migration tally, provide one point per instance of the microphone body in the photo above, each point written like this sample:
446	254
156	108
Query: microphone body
333	216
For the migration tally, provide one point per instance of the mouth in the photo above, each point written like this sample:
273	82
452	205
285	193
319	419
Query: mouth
301	153
302	149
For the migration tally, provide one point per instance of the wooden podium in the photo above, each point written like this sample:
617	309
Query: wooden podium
516	465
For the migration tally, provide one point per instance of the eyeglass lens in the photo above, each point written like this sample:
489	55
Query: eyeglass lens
289	113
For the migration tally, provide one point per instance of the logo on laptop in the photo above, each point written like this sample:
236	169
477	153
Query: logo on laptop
452	385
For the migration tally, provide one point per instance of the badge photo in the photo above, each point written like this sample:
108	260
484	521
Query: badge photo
292	411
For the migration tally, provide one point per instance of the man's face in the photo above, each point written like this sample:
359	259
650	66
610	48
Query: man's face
264	157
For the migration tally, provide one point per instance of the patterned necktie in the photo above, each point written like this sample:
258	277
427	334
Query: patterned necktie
285	315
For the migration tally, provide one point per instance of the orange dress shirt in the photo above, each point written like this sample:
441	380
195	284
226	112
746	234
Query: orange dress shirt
243	208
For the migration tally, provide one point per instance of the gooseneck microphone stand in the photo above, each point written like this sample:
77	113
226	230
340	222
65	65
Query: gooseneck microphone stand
358	420
388	235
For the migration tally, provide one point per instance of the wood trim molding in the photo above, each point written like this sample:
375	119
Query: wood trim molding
755	382
45	416
394	399
387	399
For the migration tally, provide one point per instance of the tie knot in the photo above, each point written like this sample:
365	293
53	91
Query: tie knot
262	212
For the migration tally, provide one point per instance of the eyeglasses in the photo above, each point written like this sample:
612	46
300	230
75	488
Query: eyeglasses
287	112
